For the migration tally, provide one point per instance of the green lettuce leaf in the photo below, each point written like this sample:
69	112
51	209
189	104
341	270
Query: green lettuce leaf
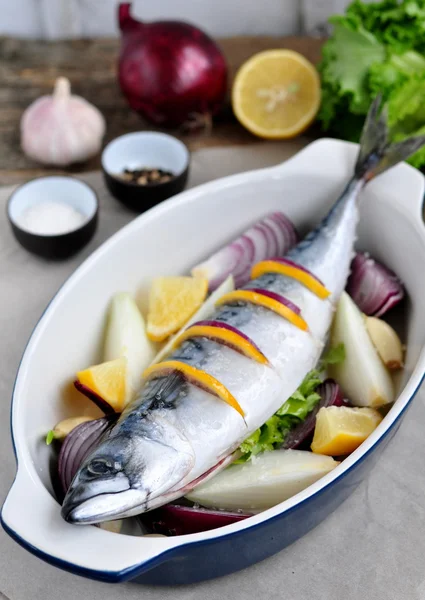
50	437
406	114
375	48
406	107
274	431
399	25
347	57
388	77
334	356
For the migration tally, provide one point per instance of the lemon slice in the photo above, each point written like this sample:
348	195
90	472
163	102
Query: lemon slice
341	429
232	338
197	377
276	94
289	269
266	302
172	301
107	381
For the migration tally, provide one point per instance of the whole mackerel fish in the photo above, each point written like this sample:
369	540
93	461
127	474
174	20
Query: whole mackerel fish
175	435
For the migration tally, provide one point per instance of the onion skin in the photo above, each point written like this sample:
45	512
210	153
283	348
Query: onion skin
374	288
174	519
170	71
77	445
331	395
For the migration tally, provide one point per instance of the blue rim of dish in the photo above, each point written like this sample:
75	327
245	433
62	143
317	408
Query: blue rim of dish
137	570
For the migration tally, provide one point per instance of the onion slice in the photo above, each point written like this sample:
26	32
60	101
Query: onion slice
374	288
330	395
275	234
76	447
174	519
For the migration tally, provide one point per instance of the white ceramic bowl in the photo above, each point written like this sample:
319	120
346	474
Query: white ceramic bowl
65	190
145	149
169	239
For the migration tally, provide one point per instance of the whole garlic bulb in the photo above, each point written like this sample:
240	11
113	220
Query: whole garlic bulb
61	129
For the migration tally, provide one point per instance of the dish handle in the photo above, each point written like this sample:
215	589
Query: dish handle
31	516
406	183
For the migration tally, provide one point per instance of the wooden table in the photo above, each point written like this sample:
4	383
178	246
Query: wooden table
28	69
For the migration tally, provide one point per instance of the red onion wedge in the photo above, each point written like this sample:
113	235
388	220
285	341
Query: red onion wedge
275	234
100	402
174	519
374	288
330	395
77	445
291	236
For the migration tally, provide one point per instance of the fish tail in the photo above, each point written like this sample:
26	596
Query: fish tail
377	154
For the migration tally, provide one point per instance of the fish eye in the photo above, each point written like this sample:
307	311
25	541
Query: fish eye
100	466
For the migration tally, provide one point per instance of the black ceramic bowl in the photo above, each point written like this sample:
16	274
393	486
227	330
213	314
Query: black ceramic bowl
65	190
145	149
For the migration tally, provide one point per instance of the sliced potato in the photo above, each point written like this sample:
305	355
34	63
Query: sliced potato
386	342
126	337
263	482
61	430
112	526
363	377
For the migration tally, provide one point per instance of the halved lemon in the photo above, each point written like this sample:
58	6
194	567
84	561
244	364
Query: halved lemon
276	94
341	429
107	381
172	301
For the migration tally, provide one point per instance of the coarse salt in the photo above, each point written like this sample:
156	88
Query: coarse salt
50	218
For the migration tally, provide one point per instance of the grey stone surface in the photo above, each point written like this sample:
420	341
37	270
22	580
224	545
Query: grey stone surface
373	546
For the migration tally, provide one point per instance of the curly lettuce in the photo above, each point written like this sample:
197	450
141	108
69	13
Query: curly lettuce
295	410
375	48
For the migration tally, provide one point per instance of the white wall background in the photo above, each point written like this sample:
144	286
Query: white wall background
53	19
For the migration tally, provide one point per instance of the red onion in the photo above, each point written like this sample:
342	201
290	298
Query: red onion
170	72
275	234
270	238
77	445
174	519
374	288
330	395
100	402
291	233
279	298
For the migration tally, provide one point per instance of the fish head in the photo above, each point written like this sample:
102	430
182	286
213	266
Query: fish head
128	473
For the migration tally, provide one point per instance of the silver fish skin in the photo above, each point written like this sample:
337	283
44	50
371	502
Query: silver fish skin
174	435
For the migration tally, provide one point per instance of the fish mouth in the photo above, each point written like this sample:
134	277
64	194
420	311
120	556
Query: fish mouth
104	507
